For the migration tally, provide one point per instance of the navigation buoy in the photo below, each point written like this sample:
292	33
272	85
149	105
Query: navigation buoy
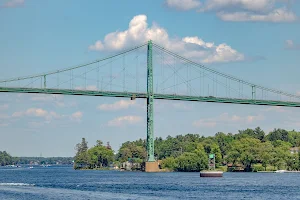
211	172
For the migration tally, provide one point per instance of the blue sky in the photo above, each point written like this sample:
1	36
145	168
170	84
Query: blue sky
254	40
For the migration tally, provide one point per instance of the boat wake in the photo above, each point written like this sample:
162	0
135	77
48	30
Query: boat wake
16	184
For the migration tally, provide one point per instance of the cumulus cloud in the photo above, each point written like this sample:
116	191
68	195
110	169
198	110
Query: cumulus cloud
278	15
291	45
249	5
248	10
77	116
275	109
119	105
191	47
37	112
125	120
47	116
228	119
13	3
221	53
252	118
183	4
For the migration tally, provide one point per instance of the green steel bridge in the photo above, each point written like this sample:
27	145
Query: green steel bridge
176	78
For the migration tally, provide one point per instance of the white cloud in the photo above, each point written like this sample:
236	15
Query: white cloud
13	3
249	10
192	47
125	120
226	118
290	44
251	119
77	116
183	4
4	107
48	116
119	105
276	109
251	5
37	112
278	15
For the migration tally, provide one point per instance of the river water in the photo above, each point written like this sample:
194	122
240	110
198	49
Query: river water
66	183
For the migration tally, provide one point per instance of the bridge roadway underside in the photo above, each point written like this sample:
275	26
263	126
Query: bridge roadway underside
134	95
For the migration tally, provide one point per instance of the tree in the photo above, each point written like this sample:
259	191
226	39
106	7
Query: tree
294	138
266	154
223	141
256	133
281	154
169	163
259	134
82	157
131	151
5	159
245	151
95	157
188	162
192	162
292	162
278	134
202	157
247	147
81	147
298	161
215	149
124	154
100	156
99	143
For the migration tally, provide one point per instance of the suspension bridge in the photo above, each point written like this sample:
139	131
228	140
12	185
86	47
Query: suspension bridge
176	78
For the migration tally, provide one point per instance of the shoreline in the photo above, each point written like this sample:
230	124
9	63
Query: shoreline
161	171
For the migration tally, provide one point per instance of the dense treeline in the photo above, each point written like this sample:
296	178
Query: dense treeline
251	149
5	159
99	156
43	160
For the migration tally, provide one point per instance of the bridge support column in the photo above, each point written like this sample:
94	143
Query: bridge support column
150	136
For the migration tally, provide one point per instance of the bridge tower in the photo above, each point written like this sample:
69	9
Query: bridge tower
151	164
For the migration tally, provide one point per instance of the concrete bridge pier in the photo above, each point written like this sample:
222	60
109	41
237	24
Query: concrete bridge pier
152	166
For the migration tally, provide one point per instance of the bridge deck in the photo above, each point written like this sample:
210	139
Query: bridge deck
144	95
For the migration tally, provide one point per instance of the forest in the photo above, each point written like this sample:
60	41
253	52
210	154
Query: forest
97	157
248	150
7	159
